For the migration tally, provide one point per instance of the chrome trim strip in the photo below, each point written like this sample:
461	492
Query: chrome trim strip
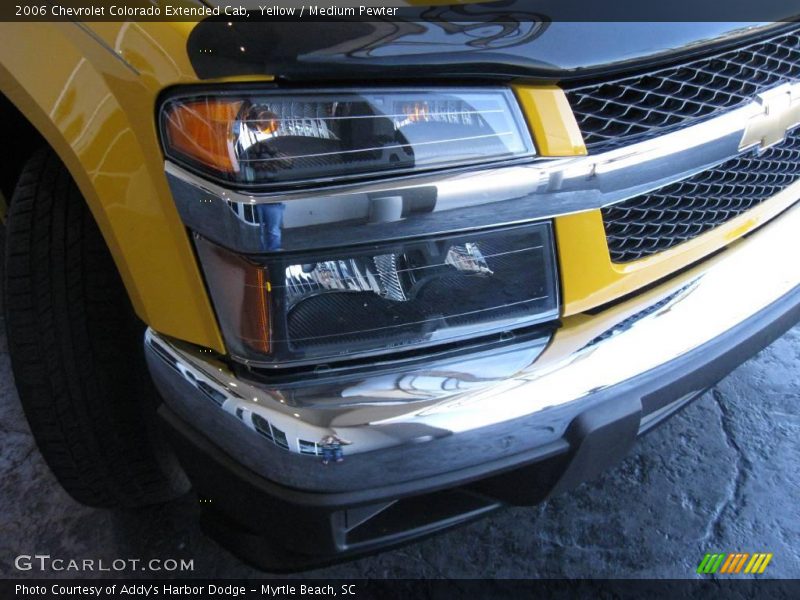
441	202
440	417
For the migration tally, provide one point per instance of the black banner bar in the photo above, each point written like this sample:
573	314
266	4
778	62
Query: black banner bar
406	589
373	10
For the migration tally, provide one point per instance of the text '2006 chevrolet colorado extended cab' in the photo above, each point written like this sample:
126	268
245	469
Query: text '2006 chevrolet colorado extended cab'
357	282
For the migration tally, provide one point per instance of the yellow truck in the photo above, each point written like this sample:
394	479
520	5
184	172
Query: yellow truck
358	282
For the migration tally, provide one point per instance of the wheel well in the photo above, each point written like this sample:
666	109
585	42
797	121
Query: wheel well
17	130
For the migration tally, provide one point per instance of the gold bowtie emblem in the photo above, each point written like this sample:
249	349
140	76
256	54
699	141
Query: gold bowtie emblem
781	112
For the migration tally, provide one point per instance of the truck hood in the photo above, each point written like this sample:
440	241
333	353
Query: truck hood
528	47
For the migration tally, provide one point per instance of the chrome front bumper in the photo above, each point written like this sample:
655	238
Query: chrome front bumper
459	417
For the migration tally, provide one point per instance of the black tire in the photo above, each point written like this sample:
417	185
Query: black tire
76	349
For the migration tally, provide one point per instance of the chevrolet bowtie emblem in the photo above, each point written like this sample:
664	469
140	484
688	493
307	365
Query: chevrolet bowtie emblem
781	112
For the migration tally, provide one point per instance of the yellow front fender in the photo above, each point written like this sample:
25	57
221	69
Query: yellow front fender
92	94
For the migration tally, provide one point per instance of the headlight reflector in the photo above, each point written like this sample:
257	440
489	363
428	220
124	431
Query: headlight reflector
261	139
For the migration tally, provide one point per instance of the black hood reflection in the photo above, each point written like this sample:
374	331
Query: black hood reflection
443	43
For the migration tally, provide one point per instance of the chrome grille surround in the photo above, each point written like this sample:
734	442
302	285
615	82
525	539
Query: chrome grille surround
456	201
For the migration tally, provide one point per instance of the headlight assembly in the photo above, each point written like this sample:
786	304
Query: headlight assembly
329	298
281	137
315	307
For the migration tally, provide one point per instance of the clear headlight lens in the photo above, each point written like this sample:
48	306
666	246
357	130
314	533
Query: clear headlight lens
334	304
282	137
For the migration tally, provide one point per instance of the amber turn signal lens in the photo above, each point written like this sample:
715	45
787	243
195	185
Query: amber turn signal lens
255	318
241	293
203	131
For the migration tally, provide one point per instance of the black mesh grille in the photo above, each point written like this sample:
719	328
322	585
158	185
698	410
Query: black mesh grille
630	109
661	219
